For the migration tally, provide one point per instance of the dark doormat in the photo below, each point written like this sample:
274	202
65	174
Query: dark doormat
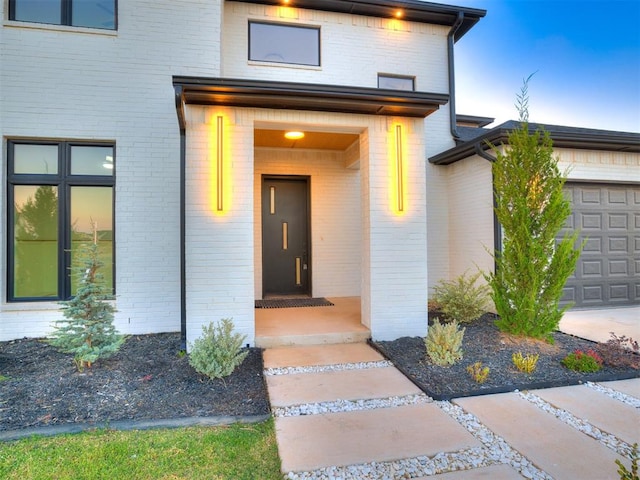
293	302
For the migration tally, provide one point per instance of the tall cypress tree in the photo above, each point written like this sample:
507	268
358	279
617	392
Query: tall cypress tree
88	331
533	266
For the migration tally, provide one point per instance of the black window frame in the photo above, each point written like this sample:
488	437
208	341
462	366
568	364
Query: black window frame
66	19
286	25
64	181
411	78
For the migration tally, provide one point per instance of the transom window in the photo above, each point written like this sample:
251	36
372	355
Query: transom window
60	197
283	43
76	13
396	82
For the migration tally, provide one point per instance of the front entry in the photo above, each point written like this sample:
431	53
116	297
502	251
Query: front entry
285	236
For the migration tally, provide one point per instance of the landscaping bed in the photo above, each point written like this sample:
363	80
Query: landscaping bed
483	342
147	379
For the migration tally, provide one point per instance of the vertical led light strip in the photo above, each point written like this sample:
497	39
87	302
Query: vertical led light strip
219	162
400	185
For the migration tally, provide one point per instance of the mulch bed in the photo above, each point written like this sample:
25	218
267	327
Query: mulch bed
146	380
483	342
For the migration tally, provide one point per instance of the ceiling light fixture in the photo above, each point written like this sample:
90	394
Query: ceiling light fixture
399	13
294	135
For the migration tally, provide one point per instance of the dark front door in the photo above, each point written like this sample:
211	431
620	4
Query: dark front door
285	236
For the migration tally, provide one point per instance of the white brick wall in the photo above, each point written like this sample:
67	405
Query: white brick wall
68	83
354	49
599	166
470	217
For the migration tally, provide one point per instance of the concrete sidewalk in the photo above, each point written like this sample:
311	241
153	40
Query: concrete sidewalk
342	411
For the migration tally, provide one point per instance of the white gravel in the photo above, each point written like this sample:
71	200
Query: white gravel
327	368
622	397
339	405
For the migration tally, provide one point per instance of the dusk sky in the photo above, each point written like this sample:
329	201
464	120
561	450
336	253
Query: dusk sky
586	55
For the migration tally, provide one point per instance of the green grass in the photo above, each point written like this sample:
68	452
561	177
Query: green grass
234	452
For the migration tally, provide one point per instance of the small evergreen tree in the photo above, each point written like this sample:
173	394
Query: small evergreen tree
532	267
88	331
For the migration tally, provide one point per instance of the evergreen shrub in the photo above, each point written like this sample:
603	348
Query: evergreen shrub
88	331
533	265
218	352
444	342
461	299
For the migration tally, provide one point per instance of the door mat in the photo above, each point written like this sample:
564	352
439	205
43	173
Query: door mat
293	302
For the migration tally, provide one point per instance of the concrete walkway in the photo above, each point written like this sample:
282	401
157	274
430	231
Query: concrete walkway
343	412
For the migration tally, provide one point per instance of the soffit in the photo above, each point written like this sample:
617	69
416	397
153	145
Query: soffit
312	140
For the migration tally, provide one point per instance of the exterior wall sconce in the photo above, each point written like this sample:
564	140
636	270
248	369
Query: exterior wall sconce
219	163
399	180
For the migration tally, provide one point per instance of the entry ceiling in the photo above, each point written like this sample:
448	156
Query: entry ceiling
312	140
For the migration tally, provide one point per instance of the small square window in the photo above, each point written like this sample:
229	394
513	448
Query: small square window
280	43
396	82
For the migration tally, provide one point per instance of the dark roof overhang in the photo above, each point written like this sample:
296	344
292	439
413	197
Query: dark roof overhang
413	10
563	137
304	96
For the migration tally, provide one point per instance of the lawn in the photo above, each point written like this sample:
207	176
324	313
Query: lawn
246	451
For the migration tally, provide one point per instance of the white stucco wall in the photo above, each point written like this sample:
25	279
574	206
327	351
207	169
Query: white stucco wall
86	84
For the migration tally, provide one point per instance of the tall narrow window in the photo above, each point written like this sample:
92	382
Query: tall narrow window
77	13
284	43
60	196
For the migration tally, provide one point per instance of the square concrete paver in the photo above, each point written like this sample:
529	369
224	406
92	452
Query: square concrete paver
320	355
295	389
550	444
600	410
316	441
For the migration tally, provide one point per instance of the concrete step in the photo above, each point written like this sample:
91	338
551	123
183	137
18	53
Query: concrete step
320	355
296	389
552	445
316	441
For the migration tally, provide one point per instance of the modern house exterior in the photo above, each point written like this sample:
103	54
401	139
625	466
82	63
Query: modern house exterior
157	128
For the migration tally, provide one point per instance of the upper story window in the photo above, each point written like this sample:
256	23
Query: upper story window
396	82
76	13
284	43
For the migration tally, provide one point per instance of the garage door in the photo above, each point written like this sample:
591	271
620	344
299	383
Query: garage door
608	270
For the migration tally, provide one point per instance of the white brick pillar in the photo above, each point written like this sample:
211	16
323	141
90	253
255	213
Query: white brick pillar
394	296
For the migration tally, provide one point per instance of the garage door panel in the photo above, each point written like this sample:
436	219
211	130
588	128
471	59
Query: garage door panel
591	268
619	268
608	270
618	221
619	245
591	221
590	196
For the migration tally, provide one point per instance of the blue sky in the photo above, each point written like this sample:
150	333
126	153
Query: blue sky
586	55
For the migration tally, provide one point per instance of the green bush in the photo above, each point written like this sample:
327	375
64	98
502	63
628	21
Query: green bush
533	265
218	352
525	363
478	372
444	343
580	361
88	331
461	299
